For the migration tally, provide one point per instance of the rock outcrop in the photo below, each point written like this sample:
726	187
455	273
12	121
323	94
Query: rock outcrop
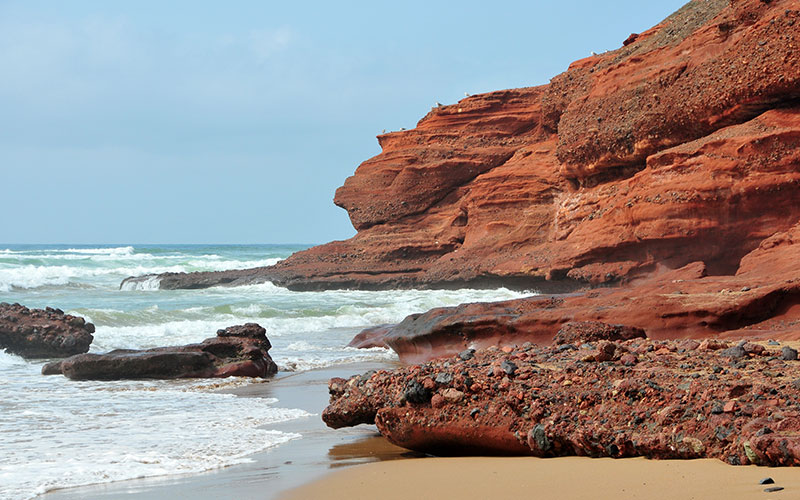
680	146
43	333
236	351
761	300
739	403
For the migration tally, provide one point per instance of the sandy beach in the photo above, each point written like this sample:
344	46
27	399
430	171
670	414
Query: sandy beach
572	478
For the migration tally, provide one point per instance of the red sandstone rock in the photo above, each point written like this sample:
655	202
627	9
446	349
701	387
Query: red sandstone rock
236	351
682	303
371	337
681	146
713	63
43	333
675	403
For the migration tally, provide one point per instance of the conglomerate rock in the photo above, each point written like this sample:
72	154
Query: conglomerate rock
240	351
43	333
640	397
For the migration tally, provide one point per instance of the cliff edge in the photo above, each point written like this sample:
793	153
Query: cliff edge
680	146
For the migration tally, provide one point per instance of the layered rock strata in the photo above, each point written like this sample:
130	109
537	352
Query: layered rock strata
43	333
680	146
597	396
760	301
236	351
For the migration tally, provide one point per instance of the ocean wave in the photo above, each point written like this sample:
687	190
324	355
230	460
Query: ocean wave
319	357
128	250
8	360
31	276
209	262
142	284
34	276
126	430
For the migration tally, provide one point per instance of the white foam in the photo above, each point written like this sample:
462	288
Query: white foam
100	251
32	276
148	283
314	357
60	434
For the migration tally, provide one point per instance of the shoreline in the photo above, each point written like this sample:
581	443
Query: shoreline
275	470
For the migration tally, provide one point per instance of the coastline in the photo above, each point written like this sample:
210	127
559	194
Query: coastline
275	470
319	466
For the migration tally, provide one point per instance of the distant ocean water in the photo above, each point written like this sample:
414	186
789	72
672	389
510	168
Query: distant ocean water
58	433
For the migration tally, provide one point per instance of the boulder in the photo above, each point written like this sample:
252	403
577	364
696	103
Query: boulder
43	333
240	351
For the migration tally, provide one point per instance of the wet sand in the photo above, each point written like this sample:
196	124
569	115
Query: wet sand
273	471
571	478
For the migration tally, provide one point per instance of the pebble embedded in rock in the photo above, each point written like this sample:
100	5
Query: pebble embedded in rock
735	352
508	367
444	378
417	393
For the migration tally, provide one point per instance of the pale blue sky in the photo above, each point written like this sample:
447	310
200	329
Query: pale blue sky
234	122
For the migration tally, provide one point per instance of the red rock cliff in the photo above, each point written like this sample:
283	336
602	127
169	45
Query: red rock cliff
680	146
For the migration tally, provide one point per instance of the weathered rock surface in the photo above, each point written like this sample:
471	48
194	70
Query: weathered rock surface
43	333
657	399
371	337
680	146
236	351
760	301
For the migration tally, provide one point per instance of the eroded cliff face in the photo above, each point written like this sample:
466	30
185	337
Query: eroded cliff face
680	146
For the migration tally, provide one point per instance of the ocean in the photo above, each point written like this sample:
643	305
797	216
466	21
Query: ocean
58	433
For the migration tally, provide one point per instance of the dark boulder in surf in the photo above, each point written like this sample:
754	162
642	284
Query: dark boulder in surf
236	351
43	333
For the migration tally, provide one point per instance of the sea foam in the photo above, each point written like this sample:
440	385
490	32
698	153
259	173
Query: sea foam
125	430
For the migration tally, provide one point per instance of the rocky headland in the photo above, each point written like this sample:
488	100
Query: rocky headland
236	351
43	333
651	194
680	146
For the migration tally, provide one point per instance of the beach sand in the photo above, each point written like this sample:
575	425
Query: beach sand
572	478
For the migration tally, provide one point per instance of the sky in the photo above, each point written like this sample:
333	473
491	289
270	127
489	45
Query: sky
234	122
